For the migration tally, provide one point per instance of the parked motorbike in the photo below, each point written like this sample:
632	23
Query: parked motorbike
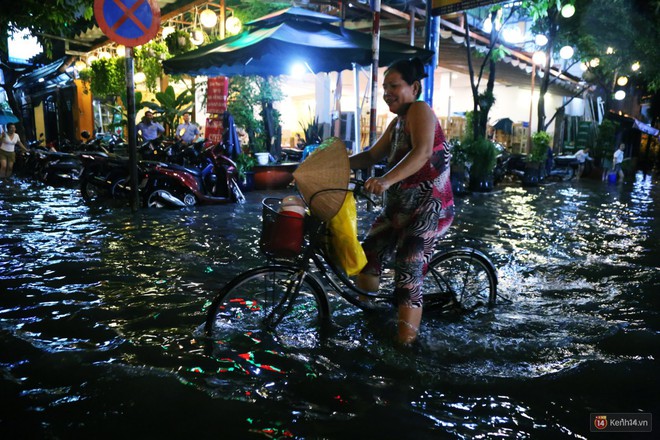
176	186
104	176
563	167
55	167
157	150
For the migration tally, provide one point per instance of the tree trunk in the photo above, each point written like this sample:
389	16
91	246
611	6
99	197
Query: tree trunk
545	83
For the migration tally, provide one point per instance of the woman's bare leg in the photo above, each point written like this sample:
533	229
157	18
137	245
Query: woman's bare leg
408	324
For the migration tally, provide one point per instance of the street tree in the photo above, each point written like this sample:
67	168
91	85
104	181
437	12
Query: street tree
41	18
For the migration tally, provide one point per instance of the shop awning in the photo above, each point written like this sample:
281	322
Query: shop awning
44	76
278	44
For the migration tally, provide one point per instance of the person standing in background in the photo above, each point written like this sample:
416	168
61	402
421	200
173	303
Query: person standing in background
617	159
148	129
582	156
9	141
187	131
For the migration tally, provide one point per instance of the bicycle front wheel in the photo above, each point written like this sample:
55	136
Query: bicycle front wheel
460	277
272	299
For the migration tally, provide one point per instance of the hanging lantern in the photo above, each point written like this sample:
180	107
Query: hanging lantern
567	11
635	67
540	40
208	19
619	95
197	37
121	50
538	58
233	25
622	80
566	52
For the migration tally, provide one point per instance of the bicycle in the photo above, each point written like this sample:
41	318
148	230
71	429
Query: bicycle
288	293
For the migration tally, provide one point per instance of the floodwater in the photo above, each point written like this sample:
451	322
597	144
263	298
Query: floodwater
100	309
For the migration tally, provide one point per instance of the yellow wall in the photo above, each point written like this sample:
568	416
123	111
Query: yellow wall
83	113
39	124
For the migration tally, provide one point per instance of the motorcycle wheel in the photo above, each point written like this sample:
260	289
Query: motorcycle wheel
119	189
90	192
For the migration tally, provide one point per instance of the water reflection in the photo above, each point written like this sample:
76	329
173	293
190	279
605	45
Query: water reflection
101	307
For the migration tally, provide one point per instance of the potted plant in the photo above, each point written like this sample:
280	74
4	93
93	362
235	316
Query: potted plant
536	158
245	163
459	174
483	157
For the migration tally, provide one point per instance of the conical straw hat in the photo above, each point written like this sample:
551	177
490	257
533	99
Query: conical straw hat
327	168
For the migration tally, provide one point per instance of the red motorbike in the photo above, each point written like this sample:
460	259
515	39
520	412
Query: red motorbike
213	181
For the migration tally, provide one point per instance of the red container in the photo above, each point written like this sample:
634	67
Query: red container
282	233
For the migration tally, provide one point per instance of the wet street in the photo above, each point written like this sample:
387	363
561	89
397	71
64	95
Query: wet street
100	311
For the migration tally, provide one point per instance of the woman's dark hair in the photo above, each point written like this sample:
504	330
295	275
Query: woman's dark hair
411	70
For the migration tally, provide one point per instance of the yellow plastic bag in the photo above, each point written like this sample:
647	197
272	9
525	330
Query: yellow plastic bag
346	248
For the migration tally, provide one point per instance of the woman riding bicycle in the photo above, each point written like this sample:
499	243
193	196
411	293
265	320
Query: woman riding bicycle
419	205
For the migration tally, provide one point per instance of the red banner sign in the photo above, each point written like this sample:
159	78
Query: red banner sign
216	95
214	130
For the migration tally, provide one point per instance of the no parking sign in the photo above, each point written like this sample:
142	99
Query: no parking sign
128	22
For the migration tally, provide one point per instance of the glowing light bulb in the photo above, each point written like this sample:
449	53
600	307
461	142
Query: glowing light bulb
635	67
567	11
208	18
538	58
619	95
566	52
541	40
622	80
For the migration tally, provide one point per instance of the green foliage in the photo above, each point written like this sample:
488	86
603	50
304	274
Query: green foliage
106	77
311	128
171	107
179	42
478	151
120	108
247	98
605	139
459	153
483	155
244	163
540	144
252	9
148	59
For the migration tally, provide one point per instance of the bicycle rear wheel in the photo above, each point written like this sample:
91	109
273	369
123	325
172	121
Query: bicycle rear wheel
265	299
460	277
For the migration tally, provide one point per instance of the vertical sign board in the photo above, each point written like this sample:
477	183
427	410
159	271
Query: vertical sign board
214	130
441	7
131	23
216	95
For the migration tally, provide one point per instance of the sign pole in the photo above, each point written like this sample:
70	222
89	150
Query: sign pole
375	50
132	138
131	23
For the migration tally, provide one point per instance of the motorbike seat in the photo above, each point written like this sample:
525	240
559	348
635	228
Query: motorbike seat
173	166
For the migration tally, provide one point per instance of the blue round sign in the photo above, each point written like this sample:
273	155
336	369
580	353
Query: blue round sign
128	22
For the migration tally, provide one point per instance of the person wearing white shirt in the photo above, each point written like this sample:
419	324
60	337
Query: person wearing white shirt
582	156
9	141
617	159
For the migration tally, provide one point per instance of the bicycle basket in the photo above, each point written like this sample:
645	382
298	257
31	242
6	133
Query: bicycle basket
282	232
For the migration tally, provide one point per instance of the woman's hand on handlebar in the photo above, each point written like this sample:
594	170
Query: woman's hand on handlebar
376	185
